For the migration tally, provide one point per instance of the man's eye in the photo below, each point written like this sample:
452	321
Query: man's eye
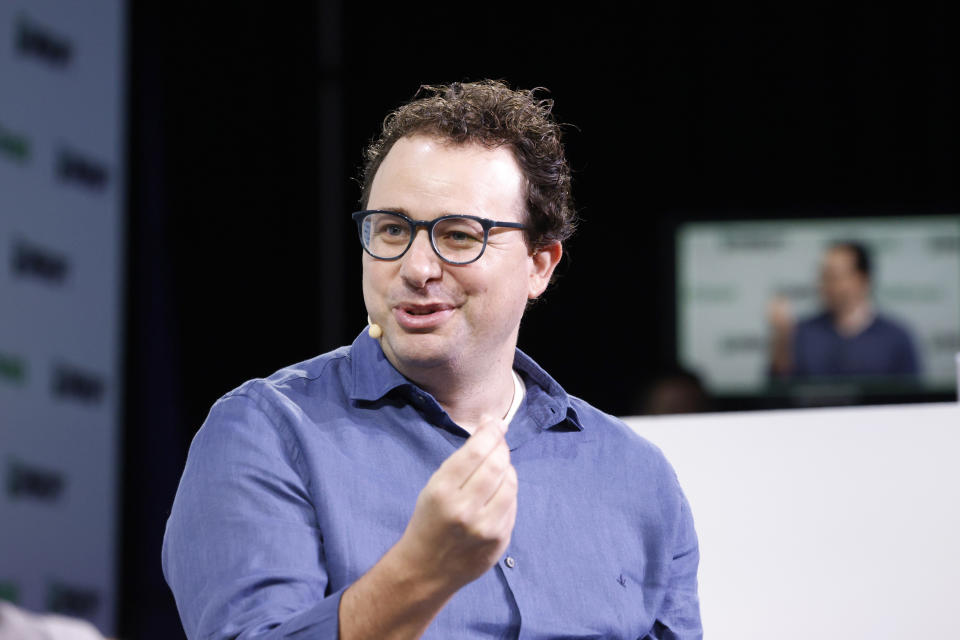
459	231
461	238
393	230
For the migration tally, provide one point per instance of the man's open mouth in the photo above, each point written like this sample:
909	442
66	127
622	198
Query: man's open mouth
422	317
425	310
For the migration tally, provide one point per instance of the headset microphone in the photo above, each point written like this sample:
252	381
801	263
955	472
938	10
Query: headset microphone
374	330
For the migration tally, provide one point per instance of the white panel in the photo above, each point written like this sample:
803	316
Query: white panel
822	523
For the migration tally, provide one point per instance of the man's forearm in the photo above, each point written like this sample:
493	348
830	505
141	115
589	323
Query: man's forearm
392	601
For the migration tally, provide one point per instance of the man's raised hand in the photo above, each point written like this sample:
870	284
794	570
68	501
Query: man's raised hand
464	516
460	527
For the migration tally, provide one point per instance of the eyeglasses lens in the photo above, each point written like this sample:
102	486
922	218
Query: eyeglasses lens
386	236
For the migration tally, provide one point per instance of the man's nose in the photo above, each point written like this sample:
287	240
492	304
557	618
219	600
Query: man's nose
420	263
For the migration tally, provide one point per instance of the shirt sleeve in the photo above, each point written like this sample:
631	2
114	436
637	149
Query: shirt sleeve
679	617
242	552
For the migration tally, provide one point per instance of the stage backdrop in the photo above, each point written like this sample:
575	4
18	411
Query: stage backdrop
61	212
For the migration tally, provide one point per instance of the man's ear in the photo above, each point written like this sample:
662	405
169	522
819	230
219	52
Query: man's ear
545	260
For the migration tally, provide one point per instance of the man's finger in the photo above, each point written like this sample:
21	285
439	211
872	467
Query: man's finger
485	479
464	461
506	489
501	509
498	423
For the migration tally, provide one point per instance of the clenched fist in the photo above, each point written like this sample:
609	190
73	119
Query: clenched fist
464	516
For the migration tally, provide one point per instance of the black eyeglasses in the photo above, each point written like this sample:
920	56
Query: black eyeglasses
387	235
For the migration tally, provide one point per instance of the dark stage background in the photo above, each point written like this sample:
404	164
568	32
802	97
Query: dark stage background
247	124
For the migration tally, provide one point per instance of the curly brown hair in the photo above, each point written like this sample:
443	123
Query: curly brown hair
490	113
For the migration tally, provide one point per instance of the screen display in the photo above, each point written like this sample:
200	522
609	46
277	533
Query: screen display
737	281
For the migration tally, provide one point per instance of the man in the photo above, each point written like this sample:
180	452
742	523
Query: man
431	480
848	337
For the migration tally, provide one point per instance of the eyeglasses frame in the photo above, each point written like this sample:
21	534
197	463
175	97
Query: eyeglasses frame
485	223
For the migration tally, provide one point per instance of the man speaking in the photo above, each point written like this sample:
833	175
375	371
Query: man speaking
430	480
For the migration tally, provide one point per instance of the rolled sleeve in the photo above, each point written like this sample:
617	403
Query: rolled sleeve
242	552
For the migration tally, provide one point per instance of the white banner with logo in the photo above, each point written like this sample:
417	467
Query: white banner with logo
62	113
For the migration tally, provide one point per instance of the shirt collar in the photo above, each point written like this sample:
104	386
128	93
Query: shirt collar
558	402
374	377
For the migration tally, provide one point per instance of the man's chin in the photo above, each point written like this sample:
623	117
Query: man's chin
419	351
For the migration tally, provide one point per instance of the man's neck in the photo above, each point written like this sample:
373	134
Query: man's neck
469	395
854	319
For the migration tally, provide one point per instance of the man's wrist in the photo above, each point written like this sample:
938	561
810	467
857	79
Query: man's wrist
413	572
396	599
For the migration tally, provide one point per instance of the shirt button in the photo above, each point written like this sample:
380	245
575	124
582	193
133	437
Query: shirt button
510	562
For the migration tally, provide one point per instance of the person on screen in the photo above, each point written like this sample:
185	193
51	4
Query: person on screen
849	337
431	480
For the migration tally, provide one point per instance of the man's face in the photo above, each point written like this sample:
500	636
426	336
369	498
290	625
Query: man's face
435	314
841	285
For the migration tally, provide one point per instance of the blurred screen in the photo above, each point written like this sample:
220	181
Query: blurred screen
729	273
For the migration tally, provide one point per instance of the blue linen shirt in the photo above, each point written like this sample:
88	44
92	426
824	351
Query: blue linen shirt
298	483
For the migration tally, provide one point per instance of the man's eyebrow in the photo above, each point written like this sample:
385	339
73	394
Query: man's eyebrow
403	211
